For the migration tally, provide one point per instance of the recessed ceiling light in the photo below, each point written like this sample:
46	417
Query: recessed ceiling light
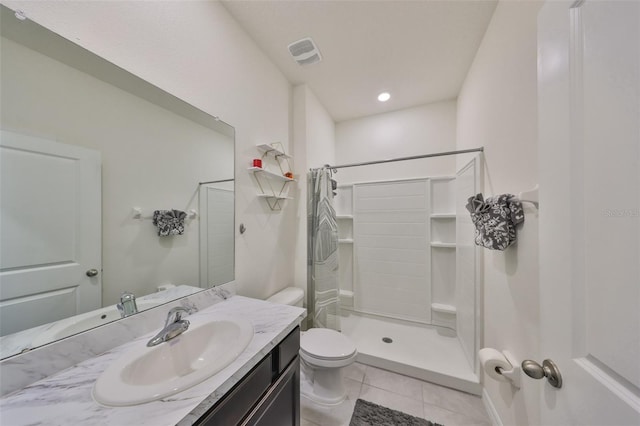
384	97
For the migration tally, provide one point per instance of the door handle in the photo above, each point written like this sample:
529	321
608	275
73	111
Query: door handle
548	369
92	272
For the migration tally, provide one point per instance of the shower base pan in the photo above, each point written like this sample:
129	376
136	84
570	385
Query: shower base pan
429	353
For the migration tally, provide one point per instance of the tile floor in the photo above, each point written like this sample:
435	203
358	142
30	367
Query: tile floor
412	396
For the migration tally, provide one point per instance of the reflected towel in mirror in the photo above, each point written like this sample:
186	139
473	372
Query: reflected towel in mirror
169	222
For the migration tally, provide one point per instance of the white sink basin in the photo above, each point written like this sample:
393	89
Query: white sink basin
146	374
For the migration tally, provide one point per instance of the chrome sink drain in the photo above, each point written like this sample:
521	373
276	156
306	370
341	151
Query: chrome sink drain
387	339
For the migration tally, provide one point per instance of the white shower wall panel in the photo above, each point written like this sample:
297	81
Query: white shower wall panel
391	249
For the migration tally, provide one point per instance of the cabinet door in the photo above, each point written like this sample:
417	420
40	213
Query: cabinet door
281	405
247	393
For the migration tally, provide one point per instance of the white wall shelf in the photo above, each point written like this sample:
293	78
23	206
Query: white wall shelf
271	150
345	241
344	216
274	186
270	174
275	197
443	216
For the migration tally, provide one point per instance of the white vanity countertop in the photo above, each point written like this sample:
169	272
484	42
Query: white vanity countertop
65	398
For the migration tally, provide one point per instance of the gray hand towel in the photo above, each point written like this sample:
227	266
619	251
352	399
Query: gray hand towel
495	220
169	222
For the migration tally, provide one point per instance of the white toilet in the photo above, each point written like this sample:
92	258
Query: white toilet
324	354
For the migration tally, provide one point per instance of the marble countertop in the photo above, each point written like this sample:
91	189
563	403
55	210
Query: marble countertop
65	398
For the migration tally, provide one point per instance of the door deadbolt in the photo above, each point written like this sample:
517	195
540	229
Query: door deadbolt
92	272
548	369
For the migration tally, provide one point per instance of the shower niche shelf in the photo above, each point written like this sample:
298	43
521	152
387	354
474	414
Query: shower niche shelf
443	216
443	309
343	203
442	241
274	186
438	244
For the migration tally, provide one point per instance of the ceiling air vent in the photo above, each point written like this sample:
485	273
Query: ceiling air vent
305	51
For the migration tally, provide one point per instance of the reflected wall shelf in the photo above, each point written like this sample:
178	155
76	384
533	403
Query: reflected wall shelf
273	185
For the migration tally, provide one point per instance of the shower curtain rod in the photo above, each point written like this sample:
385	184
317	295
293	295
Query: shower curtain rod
414	157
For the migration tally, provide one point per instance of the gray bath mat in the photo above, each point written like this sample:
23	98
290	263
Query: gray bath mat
369	414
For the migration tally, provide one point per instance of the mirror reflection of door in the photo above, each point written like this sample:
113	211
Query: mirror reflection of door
216	234
51	235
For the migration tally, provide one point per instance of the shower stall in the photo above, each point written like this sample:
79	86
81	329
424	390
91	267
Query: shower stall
409	272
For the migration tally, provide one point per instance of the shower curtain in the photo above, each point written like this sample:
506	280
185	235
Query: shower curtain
322	253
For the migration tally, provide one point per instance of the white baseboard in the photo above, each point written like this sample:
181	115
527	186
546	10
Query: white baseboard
491	409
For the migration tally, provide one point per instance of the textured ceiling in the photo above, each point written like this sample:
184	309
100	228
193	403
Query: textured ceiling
419	51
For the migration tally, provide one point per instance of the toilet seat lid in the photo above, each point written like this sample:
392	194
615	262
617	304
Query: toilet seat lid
323	343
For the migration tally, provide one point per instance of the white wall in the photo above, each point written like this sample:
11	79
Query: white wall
497	109
196	51
413	131
314	146
142	165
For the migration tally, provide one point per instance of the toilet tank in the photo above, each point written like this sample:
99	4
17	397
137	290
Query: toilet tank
288	296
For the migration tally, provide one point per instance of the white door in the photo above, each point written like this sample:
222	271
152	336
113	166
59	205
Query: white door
589	109
49	231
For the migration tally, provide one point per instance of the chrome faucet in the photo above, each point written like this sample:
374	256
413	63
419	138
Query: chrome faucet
173	327
127	305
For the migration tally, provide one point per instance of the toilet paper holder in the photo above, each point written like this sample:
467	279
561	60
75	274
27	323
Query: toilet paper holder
514	374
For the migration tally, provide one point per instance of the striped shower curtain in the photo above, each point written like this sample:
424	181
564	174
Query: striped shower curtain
322	253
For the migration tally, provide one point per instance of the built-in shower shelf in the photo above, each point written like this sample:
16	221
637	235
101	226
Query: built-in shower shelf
443	216
443	308
346	297
443	245
345	241
345	216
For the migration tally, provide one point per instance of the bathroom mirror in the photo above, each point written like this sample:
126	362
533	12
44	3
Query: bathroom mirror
88	153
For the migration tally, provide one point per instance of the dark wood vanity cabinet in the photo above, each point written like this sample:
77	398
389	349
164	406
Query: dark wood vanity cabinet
269	395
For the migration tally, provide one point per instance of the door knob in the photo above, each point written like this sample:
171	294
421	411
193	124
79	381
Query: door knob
92	272
548	369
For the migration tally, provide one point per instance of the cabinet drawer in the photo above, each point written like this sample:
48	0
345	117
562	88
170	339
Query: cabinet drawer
286	351
239	401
